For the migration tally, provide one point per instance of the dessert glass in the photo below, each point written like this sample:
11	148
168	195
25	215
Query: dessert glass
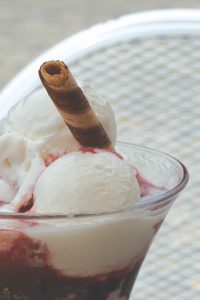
96	255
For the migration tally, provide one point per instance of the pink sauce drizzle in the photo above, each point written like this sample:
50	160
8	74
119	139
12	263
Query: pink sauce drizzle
146	187
97	150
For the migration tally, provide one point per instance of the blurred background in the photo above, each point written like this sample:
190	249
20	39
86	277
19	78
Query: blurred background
168	67
29	27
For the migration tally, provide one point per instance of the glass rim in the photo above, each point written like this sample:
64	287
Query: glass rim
146	202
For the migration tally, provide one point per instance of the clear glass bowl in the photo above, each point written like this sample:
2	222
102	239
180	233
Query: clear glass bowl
89	256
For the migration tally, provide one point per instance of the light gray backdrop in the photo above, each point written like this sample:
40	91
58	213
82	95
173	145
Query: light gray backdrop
28	27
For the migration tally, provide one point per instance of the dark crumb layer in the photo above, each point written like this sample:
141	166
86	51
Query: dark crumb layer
26	273
47	285
5	294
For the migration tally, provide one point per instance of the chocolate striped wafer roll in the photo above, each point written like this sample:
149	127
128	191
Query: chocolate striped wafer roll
73	105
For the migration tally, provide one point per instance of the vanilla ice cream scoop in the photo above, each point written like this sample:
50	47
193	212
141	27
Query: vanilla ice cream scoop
86	181
36	118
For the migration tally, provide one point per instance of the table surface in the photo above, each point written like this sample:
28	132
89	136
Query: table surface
27	28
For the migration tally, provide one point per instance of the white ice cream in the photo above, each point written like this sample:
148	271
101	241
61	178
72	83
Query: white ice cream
86	182
89	181
32	136
87	246
37	119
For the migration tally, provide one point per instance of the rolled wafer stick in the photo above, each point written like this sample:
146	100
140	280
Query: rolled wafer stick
73	105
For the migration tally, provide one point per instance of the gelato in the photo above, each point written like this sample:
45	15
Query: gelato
88	180
49	168
33	135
